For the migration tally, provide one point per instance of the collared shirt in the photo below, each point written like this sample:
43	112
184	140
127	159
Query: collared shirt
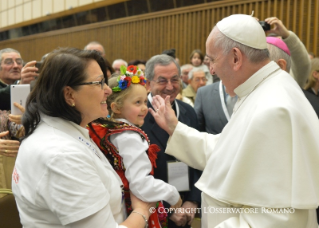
61	177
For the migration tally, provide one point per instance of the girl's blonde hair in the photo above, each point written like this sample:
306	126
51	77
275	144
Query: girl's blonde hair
117	97
311	82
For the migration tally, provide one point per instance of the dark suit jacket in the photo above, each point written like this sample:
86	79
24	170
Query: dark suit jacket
314	101
5	97
158	136
209	110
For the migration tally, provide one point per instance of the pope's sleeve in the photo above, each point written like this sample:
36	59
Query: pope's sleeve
144	186
191	146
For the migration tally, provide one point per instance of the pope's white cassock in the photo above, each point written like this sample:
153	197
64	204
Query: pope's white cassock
265	162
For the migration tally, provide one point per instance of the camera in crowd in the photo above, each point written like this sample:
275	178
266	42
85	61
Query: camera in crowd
264	25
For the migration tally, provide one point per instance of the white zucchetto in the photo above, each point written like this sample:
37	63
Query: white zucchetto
244	29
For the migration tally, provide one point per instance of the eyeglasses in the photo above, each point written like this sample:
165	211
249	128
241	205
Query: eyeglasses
102	82
10	61
164	81
200	79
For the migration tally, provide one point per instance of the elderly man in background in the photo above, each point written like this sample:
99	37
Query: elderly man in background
163	78
117	65
11	72
196	79
261	171
94	45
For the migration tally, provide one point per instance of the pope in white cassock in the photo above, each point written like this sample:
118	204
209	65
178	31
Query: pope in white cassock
263	169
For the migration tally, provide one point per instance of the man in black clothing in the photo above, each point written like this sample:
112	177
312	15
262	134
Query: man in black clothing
163	78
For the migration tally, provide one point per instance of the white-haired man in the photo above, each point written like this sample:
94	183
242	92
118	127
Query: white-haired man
117	65
94	45
196	79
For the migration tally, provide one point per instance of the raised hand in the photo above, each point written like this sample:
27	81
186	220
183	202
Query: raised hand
277	27
164	115
29	72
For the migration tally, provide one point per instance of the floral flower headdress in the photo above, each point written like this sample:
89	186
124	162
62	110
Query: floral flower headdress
131	74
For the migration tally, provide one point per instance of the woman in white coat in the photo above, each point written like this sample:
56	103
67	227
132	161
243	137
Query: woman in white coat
61	178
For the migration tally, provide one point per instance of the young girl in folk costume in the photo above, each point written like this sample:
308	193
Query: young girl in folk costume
127	147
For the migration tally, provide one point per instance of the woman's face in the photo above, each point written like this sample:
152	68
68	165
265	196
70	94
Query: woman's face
90	100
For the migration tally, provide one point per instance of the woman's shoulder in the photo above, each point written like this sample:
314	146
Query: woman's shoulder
49	141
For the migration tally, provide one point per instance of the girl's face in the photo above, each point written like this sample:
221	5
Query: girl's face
134	107
196	61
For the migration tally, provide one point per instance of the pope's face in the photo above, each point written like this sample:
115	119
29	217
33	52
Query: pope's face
206	61
220	64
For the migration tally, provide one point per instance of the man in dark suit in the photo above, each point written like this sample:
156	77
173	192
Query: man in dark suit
163	78
314	101
212	110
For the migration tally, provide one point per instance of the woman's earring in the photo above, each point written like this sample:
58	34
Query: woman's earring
73	105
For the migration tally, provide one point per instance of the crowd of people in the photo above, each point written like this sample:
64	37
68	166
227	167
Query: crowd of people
147	143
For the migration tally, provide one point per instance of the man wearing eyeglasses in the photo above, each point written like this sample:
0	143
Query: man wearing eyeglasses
196	79
163	78
11	71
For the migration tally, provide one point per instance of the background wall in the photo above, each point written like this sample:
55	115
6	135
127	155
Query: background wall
17	11
185	29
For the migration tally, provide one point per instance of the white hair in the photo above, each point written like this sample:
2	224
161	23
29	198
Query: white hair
119	60
191	73
186	66
276	54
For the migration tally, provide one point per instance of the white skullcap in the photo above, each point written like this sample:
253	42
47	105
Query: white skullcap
244	29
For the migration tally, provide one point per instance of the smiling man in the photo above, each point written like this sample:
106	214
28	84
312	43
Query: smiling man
163	78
